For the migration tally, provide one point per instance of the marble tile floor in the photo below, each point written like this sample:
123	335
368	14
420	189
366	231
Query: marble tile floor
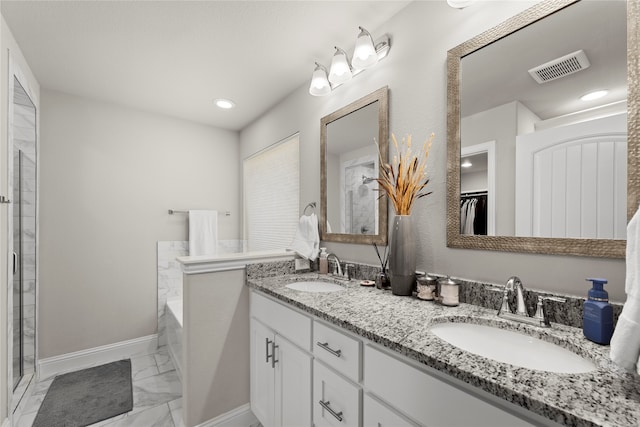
157	395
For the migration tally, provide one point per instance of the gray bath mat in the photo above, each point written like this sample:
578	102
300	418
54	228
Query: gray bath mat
85	397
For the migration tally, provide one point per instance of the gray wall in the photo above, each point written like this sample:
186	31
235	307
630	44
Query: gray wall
416	72
108	176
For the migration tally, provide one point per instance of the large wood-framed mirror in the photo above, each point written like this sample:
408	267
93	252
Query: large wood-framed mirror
554	174
353	141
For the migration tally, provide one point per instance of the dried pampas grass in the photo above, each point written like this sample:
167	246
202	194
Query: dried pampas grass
404	180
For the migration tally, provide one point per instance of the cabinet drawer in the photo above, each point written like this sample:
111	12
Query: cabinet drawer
377	414
338	350
428	399
294	326
336	401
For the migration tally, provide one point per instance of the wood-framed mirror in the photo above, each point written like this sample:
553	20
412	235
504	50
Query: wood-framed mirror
353	141
565	177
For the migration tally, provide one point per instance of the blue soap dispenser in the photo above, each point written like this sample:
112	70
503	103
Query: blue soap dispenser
597	317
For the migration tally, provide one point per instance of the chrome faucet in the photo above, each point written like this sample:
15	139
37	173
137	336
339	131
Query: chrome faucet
339	269
540	318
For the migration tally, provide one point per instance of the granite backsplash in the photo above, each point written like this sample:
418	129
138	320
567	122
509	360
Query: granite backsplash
486	295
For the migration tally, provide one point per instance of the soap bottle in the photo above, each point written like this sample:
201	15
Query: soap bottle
324	262
597	317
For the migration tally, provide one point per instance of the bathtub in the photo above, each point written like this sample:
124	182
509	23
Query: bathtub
173	318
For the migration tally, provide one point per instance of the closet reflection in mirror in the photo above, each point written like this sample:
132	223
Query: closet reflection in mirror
561	164
352	211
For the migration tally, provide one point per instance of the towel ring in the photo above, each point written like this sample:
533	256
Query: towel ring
311	205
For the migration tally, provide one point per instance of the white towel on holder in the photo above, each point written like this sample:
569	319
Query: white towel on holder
203	232
625	343
306	241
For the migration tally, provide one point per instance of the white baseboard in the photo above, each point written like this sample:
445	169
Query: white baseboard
95	356
241	416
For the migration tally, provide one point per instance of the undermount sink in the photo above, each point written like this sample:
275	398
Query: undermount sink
512	347
315	287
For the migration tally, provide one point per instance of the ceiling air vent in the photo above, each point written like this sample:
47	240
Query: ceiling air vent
568	64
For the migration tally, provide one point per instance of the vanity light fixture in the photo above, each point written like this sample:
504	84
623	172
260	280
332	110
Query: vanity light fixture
340	71
225	104
366	54
594	95
459	4
320	85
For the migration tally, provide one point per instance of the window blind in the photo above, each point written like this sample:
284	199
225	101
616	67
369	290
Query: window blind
272	196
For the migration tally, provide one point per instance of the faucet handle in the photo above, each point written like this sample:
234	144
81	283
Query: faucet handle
541	313
350	271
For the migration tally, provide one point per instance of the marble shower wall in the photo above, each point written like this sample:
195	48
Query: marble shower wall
170	274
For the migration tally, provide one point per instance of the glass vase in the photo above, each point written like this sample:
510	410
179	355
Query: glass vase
402	256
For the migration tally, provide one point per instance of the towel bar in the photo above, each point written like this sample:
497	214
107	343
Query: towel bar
175	211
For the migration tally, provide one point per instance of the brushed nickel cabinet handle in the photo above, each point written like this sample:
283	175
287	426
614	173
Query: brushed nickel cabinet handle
268	342
273	354
336	415
325	346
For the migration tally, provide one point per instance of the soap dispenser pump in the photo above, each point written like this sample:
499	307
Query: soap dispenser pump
324	261
597	317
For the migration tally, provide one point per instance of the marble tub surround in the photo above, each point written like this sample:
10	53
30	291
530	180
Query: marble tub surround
170	273
169	280
607	396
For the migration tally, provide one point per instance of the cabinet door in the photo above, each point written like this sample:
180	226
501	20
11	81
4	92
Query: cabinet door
293	385
262	378
376	414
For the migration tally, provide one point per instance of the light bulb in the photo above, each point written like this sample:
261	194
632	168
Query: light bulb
319	84
225	104
459	4
364	55
594	95
340	70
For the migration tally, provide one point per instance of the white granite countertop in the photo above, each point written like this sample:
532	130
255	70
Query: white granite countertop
605	397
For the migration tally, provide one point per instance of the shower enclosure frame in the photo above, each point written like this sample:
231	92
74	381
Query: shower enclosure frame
16	397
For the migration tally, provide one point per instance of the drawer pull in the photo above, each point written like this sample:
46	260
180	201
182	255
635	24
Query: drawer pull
325	405
325	345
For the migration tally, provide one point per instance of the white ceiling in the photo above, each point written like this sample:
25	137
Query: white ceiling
498	74
175	57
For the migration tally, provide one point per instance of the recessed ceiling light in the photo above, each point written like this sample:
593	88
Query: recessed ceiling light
466	164
594	95
459	4
224	103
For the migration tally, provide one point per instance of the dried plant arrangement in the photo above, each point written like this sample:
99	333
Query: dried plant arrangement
404	179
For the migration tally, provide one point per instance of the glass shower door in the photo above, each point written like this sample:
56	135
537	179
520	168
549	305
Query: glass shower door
24	235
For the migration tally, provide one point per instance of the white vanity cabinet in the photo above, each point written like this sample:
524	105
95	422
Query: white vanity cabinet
341	379
336	401
431	401
375	413
280	367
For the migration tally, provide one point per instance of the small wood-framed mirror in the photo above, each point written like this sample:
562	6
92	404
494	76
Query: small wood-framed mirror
353	142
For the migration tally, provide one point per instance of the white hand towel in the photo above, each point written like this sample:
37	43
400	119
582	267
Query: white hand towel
306	241
203	232
625	343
